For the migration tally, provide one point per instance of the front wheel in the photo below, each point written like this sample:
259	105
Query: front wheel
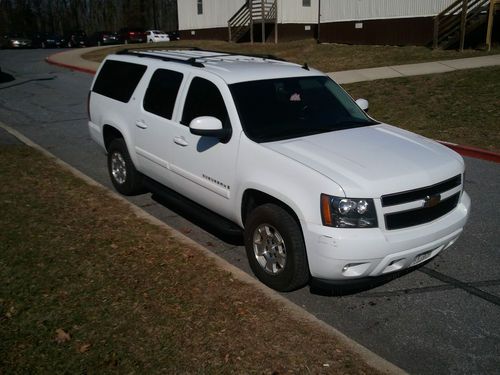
125	178
275	248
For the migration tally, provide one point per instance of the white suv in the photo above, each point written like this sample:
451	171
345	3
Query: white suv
321	190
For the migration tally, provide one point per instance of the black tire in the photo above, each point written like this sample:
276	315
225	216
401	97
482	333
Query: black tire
291	274
125	178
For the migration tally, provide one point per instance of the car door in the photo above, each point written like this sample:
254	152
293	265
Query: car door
206	165
154	126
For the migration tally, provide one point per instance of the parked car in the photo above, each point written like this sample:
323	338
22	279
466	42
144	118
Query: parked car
155	36
173	35
104	38
76	39
132	35
321	191
47	40
15	40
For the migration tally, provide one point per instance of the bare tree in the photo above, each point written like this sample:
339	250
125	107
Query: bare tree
89	15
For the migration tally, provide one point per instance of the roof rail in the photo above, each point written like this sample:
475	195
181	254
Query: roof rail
258	55
191	61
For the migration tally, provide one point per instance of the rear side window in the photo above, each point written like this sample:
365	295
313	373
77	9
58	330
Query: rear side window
204	99
162	92
118	79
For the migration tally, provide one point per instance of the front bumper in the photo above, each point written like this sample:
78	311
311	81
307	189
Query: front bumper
348	254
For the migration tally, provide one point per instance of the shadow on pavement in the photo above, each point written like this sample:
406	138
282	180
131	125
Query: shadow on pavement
5	77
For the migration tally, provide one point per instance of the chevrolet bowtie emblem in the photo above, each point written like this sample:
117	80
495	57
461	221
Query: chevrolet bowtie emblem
432	200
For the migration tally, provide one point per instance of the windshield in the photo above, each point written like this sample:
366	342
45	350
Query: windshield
284	108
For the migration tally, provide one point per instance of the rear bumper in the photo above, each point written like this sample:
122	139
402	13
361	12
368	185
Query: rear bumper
344	255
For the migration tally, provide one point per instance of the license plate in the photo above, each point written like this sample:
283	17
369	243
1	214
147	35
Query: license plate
421	258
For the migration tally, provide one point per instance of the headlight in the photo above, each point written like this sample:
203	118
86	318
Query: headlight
348	212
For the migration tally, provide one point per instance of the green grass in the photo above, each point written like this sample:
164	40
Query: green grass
326	57
460	107
132	299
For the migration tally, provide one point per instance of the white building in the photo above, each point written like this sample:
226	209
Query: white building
345	21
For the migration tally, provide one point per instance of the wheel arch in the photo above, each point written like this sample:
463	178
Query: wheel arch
109	132
252	198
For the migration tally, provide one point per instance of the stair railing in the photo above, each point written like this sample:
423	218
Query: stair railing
253	11
455	18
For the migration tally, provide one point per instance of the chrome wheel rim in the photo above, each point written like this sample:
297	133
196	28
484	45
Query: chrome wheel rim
118	168
269	249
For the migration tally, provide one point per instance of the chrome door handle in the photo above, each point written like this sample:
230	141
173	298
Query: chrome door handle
181	141
141	124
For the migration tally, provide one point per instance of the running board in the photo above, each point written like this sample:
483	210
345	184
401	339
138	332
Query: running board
192	211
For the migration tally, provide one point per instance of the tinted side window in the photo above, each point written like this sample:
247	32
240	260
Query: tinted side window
118	79
162	92
204	99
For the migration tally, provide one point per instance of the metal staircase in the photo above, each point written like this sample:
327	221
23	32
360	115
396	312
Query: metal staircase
461	18
251	13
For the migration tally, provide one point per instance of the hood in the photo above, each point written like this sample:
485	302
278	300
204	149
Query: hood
371	161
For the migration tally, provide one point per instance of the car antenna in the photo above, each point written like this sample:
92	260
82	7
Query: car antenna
305	66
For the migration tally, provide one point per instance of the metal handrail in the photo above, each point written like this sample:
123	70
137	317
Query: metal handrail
455	18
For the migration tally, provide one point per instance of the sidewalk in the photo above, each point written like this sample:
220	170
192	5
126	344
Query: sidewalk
396	71
73	59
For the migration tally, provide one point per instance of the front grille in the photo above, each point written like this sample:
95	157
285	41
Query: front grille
429	210
415	195
404	219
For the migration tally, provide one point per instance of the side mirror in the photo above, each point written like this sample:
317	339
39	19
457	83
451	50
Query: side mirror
208	126
363	104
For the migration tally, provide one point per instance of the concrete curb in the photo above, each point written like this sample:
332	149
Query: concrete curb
72	59
71	67
472	152
295	311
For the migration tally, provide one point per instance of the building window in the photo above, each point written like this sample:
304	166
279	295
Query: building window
199	3
306	3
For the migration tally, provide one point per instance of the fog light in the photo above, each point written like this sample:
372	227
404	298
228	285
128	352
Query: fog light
355	269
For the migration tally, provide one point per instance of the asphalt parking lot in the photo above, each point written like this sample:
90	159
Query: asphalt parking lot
443	318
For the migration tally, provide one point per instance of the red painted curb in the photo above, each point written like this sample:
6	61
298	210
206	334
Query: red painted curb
473	152
72	67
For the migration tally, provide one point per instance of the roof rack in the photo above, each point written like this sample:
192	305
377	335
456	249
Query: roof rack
193	60
258	55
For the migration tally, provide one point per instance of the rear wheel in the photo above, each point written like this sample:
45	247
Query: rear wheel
275	248
125	178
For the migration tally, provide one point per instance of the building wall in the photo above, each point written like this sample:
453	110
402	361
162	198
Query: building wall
389	31
349	10
216	13
396	22
292	11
